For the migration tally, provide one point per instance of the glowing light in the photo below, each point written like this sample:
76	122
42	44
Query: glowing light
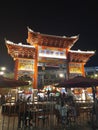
83	95
3	68
1	73
61	75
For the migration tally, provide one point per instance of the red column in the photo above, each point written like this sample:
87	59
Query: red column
16	69
35	76
83	70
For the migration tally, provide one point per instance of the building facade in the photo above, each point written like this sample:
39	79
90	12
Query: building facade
47	52
91	71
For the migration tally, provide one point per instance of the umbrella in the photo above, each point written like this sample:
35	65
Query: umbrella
80	82
9	83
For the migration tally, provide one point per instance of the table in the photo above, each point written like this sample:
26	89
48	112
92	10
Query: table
86	111
9	108
33	114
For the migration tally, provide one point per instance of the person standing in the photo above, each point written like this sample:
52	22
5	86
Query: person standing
3	100
63	112
95	113
22	113
57	110
48	93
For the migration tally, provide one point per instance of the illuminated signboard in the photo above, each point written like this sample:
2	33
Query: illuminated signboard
26	65
75	68
50	52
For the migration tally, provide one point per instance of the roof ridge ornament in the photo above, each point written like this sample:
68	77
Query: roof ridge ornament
29	29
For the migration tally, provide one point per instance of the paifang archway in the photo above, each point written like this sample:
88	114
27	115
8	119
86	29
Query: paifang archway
47	50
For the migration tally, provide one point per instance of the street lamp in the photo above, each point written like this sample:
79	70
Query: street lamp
2	70
1	73
61	75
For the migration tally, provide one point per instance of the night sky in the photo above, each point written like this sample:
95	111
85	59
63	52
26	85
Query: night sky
59	17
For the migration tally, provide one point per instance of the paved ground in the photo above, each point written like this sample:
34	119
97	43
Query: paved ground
10	123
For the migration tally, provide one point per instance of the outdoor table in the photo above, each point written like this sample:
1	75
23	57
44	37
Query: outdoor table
9	108
86	110
34	113
46	104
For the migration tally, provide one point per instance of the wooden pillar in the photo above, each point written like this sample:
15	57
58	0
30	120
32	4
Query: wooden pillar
83	70
16	69
67	64
35	76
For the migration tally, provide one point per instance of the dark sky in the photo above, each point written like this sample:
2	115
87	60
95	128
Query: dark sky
61	17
